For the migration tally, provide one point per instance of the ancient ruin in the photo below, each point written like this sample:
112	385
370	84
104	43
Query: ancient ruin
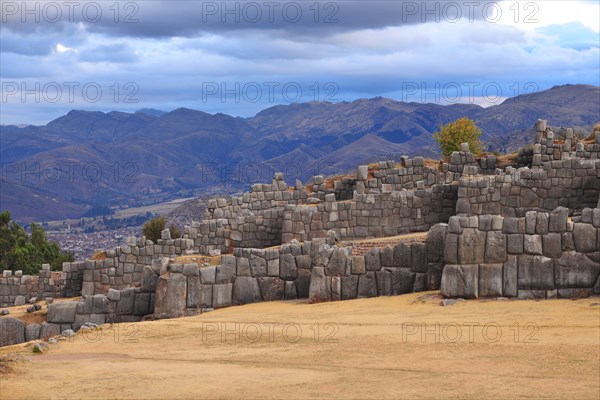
523	227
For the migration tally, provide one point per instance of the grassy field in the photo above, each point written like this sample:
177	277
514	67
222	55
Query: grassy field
383	348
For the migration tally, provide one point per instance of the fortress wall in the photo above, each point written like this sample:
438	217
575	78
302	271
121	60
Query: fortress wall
256	219
540	255
16	288
16	285
405	175
123	266
571	182
320	270
371	214
511	237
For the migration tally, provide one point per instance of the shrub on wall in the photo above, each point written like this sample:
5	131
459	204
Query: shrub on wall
152	229
463	130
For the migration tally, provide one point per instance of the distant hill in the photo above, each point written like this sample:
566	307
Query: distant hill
85	158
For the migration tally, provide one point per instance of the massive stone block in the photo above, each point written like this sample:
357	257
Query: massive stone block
193	292
289	291
402	255
387	256
142	304
149	280
510	272
434	275
419	257
32	332
514	244
303	283
349	287
208	275
532	244
584	236
358	265
336	288
337	263
222	295
575	270
226	271
271	288
535	273
171	295
273	267
246	290
258	265
420	282
12	331
243	267
495	247
287	267
126	303
436	237
471	246
451	249
558	220
490	280
319	289
460	281
403	281
373	260
367	285
100	304
62	313
384	282
552	245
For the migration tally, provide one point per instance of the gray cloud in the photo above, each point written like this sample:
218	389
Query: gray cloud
170	55
190	18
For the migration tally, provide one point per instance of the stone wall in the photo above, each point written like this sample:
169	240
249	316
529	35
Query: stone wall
126	305
541	255
372	214
17	289
247	276
507	230
123	266
408	267
571	182
564	173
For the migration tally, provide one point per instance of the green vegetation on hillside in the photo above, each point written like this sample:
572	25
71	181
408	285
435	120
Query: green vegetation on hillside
20	251
152	229
463	130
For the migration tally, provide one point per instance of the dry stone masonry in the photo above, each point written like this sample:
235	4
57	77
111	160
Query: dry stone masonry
528	229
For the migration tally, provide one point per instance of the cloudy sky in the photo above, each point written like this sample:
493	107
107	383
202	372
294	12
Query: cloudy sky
241	57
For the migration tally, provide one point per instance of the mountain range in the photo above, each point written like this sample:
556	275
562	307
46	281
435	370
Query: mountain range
84	160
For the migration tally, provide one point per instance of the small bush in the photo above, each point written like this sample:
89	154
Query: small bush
453	134
153	229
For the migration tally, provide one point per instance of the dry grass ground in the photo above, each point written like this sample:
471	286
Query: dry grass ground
368	348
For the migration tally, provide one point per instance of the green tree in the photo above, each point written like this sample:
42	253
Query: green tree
153	228
463	130
19	251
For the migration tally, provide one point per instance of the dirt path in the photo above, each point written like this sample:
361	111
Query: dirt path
384	348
